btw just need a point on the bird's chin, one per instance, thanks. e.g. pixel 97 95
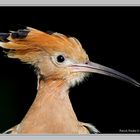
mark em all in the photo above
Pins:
pixel 77 78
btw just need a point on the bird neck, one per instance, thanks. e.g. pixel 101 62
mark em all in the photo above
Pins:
pixel 51 112
pixel 55 88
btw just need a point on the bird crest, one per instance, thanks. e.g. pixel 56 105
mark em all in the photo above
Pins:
pixel 28 44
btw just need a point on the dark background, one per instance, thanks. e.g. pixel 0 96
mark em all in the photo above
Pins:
pixel 110 35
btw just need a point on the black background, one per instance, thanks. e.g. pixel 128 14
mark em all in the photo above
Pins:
pixel 110 36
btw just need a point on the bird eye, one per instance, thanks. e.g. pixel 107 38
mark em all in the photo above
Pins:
pixel 60 58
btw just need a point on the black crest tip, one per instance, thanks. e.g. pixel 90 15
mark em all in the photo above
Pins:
pixel 4 36
pixel 20 34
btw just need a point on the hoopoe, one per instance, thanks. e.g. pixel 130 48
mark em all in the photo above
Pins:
pixel 61 62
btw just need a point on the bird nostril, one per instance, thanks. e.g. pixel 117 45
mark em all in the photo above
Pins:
pixel 86 62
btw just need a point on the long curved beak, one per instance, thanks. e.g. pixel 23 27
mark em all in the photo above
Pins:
pixel 97 68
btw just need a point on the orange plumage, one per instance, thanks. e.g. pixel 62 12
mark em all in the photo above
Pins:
pixel 51 111
pixel 37 42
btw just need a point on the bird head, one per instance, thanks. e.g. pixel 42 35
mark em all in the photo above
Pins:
pixel 55 55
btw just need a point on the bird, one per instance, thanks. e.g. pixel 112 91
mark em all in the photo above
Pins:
pixel 61 63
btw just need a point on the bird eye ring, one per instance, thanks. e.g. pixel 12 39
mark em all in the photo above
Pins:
pixel 60 58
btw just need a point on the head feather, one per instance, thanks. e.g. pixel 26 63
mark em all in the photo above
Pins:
pixel 29 44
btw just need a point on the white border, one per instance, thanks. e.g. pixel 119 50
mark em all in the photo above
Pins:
pixel 70 137
pixel 69 2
